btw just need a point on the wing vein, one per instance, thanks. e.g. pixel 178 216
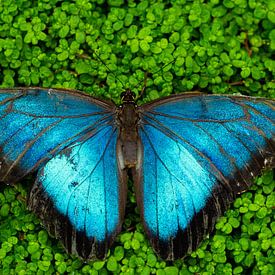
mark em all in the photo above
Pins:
pixel 103 153
pixel 86 131
pixel 171 134
pixel 161 161
pixel 189 119
pixel 29 144
pixel 247 107
pixel 64 117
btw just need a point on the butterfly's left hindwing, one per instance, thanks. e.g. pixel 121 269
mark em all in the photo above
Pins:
pixel 80 187
pixel 79 193
pixel 199 151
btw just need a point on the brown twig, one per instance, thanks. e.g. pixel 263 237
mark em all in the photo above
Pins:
pixel 236 83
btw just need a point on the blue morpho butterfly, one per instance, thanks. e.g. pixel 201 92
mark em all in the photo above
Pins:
pixel 189 156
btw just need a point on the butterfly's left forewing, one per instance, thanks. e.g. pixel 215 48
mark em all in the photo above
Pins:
pixel 36 123
pixel 199 151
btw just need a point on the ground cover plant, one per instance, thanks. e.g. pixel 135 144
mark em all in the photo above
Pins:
pixel 217 47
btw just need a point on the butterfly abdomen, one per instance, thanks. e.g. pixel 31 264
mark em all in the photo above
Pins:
pixel 128 139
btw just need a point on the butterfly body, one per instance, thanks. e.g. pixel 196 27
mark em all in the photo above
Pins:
pixel 128 139
pixel 189 156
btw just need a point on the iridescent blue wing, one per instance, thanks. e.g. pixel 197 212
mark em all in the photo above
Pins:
pixel 70 139
pixel 78 195
pixel 199 152
pixel 36 123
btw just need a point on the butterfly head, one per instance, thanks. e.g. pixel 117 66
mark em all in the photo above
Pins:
pixel 128 96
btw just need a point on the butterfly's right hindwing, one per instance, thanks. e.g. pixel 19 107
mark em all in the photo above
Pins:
pixel 199 152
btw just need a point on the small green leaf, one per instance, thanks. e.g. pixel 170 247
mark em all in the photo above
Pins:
pixel 163 43
pixel 174 38
pixel 256 73
pixel 259 12
pixel 135 244
pixel 62 268
pixel 33 247
pixel 98 265
pixel 200 253
pixel 259 199
pixel 118 25
pixel 28 37
pixel 245 72
pixel 4 211
pixel 144 32
pixel 144 45
pixel 82 67
pixel 74 21
pixel 219 258
pixel 151 260
pixel 2 253
pixel 219 11
pixel 243 209
pixel 227 229
pixel 63 32
pixel 45 72
pixel 126 237
pixel 238 270
pixel 228 70
pixel 119 253
pixel 112 264
pixel 134 44
pixel 253 207
pixel 43 237
pixel 266 244
pixel 139 236
pixel 234 222
pixel 128 19
pixel 59 257
pixel 271 16
pixel 44 265
pixel 13 240
pixel 244 243
pixel 132 31
pixel 262 213
pixel 249 259
pixel 189 62
pixel 171 270
pixel 155 48
pixel 80 37
pixel 239 256
pixel 63 56
pixel 270 201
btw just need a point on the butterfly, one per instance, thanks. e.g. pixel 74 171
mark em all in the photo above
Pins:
pixel 189 155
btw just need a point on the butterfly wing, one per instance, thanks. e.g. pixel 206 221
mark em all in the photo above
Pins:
pixel 78 196
pixel 37 123
pixel 70 139
pixel 199 151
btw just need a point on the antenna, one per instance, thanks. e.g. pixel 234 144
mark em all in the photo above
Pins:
pixel 109 69
pixel 144 80
pixel 156 71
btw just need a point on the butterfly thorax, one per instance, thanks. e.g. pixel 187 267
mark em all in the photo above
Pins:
pixel 128 139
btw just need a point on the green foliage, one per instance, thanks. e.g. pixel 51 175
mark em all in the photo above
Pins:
pixel 217 46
